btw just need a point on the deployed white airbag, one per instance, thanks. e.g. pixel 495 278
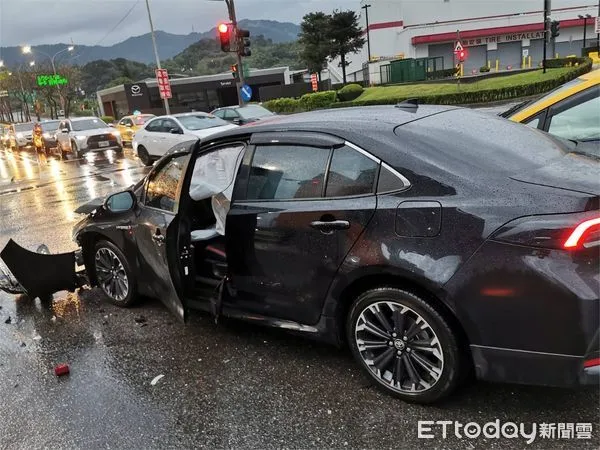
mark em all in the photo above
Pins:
pixel 214 176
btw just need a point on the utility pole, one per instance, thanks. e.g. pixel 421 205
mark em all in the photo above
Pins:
pixel 366 8
pixel 598 35
pixel 547 9
pixel 241 79
pixel 166 100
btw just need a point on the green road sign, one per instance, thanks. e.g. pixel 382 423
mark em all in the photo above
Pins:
pixel 51 80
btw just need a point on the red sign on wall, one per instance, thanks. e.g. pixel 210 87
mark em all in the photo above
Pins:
pixel 164 86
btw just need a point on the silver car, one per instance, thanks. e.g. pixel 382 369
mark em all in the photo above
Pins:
pixel 80 135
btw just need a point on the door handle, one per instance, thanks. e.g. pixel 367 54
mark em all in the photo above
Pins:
pixel 329 227
pixel 158 238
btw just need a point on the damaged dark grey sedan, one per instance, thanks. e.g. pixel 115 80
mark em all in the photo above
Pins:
pixel 435 241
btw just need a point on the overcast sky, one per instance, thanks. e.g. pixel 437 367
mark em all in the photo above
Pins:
pixel 90 21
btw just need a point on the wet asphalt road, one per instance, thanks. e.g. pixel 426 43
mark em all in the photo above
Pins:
pixel 231 385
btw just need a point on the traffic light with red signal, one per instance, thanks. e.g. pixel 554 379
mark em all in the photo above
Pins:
pixel 226 36
pixel 462 55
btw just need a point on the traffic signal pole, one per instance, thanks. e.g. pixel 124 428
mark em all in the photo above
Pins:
pixel 546 32
pixel 241 80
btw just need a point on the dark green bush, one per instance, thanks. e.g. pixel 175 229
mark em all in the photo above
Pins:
pixel 350 92
pixel 484 69
pixel 108 119
pixel 445 73
pixel 565 62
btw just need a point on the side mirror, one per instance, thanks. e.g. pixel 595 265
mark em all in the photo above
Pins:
pixel 237 121
pixel 64 130
pixel 112 125
pixel 120 202
pixel 176 131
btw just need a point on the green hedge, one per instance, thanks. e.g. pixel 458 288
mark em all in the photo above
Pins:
pixel 483 96
pixel 565 62
pixel 307 102
pixel 108 119
pixel 350 92
pixel 445 73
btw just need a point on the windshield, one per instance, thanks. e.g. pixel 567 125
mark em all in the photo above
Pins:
pixel 50 126
pixel 88 124
pixel 201 122
pixel 20 127
pixel 254 112
pixel 528 103
pixel 141 120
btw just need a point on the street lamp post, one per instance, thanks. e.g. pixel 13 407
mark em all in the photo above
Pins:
pixel 166 100
pixel 366 8
pixel 26 49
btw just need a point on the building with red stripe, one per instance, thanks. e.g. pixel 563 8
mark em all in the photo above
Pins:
pixel 503 33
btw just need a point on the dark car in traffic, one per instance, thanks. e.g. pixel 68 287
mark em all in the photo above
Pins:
pixel 434 241
pixel 241 115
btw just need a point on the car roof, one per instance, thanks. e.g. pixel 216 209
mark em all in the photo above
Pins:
pixel 76 119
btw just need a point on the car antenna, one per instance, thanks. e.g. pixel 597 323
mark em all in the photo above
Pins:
pixel 410 104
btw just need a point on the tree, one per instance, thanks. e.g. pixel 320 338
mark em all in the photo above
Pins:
pixel 315 41
pixel 344 36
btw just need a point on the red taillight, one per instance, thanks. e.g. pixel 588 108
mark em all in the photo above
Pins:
pixel 591 363
pixel 582 232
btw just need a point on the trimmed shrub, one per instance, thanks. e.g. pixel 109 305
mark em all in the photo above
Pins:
pixel 108 119
pixel 283 105
pixel 317 100
pixel 565 62
pixel 445 73
pixel 484 69
pixel 350 92
pixel 483 96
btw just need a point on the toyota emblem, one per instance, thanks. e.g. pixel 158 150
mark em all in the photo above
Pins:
pixel 135 89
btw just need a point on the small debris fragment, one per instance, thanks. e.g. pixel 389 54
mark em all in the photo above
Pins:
pixel 16 385
pixel 156 379
pixel 23 344
pixel 329 411
pixel 37 337
pixel 106 317
pixel 53 319
pixel 144 325
pixel 9 320
pixel 61 369
pixel 140 319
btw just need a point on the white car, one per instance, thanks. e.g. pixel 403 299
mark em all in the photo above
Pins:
pixel 162 133
pixel 80 135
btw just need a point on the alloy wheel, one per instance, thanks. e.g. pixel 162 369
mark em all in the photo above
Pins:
pixel 111 274
pixel 399 347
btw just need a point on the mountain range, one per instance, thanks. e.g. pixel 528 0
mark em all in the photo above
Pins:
pixel 139 48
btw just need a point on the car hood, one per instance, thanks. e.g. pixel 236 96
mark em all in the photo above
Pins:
pixel 90 206
pixel 210 131
pixel 95 131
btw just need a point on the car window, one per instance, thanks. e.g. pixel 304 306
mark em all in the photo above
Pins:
pixel 283 172
pixel 141 120
pixel 201 122
pixel 390 180
pixel 535 121
pixel 48 127
pixel 350 173
pixel 230 114
pixel 154 125
pixel 254 112
pixel 220 113
pixel 163 185
pixel 580 123
pixel 23 127
pixel 126 122
pixel 168 125
pixel 88 124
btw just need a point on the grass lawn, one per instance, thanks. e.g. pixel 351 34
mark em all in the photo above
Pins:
pixel 382 92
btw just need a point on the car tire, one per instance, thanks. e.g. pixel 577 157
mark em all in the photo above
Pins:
pixel 114 274
pixel 77 154
pixel 144 155
pixel 404 345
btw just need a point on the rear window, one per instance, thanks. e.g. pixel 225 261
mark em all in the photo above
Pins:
pixel 471 143
pixel 141 120
pixel 88 124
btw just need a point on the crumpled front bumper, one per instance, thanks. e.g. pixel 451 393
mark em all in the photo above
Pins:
pixel 39 274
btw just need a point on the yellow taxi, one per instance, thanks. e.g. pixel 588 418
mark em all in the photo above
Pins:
pixel 128 125
pixel 571 111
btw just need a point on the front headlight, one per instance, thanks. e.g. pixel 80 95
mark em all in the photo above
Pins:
pixel 81 138
pixel 116 133
pixel 47 135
